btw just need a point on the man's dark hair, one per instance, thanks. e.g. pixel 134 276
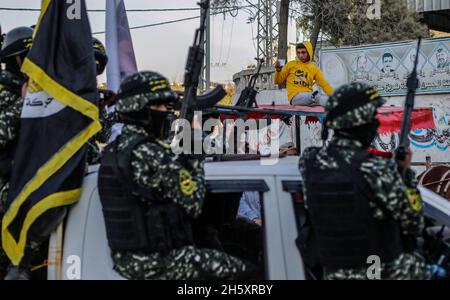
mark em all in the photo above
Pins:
pixel 300 46
pixel 387 54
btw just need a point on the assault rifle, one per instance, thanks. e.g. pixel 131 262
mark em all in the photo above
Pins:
pixel 412 85
pixel 191 102
pixel 244 111
pixel 194 63
pixel 248 95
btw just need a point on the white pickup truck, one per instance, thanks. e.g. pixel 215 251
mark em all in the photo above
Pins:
pixel 79 249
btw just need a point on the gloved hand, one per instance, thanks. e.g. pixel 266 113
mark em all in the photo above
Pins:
pixel 190 161
pixel 107 98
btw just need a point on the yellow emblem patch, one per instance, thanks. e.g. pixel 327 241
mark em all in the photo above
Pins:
pixel 373 94
pixel 28 43
pixel 414 199
pixel 187 185
pixel 158 85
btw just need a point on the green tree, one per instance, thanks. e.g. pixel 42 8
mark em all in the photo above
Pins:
pixel 345 22
pixel 341 22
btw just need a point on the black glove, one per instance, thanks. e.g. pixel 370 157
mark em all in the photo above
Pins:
pixel 190 161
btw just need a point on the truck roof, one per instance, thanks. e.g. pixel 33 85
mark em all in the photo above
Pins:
pixel 285 166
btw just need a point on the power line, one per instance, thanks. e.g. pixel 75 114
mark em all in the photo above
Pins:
pixel 253 38
pixel 173 21
pixel 155 24
pixel 128 10
pixel 221 40
pixel 231 39
pixel 103 10
pixel 236 8
pixel 213 33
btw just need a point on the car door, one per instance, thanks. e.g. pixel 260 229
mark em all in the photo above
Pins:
pixel 288 189
pixel 274 260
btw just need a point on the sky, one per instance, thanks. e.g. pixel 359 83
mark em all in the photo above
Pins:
pixel 164 48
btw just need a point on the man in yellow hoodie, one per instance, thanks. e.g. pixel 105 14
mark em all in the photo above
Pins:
pixel 300 76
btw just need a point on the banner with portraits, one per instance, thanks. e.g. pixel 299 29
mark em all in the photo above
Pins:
pixel 386 66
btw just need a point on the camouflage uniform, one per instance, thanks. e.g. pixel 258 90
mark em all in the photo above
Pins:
pixel 155 167
pixel 10 109
pixel 106 119
pixel 395 193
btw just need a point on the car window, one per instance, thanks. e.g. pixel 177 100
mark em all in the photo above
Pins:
pixel 232 220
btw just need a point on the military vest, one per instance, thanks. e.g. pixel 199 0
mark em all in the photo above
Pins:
pixel 154 225
pixel 342 221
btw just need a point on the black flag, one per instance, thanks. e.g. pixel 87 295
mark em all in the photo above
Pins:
pixel 60 114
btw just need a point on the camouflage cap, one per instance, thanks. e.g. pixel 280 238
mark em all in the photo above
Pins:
pixel 100 55
pixel 142 88
pixel 352 105
pixel 98 47
pixel 16 41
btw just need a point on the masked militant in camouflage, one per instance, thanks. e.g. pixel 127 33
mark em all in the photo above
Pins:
pixel 377 208
pixel 150 196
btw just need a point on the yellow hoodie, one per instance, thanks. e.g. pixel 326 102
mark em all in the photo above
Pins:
pixel 300 77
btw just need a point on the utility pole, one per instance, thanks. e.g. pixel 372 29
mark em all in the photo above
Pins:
pixel 205 81
pixel 208 50
pixel 267 37
pixel 283 22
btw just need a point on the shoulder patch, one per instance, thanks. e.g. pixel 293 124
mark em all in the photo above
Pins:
pixel 187 185
pixel 414 199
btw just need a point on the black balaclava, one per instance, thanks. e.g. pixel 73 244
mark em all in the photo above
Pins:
pixel 159 123
pixel 156 123
pixel 12 66
pixel 100 67
pixel 365 133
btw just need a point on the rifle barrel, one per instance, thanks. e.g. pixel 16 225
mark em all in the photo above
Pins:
pixel 237 109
